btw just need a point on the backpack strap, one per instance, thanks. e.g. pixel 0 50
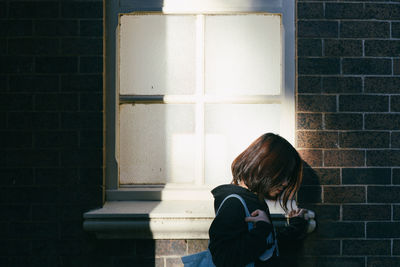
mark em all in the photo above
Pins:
pixel 249 224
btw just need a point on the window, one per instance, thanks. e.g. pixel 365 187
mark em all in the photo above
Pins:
pixel 188 86
pixel 194 91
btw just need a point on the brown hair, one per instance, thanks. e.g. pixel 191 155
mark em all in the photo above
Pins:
pixel 265 164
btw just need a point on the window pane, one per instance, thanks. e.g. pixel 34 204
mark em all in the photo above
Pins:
pixel 229 130
pixel 157 143
pixel 243 54
pixel 157 54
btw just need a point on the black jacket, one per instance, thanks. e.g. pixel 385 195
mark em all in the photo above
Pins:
pixel 231 244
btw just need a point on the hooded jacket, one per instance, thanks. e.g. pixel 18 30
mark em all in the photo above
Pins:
pixel 231 244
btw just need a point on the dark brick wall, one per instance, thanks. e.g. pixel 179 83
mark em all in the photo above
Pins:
pixel 347 123
pixel 51 106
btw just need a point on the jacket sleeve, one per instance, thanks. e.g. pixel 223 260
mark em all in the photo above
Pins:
pixel 231 244
pixel 294 231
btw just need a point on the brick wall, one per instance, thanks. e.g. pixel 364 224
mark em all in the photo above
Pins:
pixel 347 130
pixel 51 136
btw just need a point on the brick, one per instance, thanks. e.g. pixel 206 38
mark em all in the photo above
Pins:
pixel 367 66
pixel 91 139
pixel 92 28
pixel 310 10
pixel 312 157
pixel 15 139
pixel 307 121
pixel 321 29
pixel 56 102
pixel 33 9
pixel 91 176
pixel 16 212
pixel 34 230
pixel 31 83
pixel 383 157
pixel 366 247
pixel 320 176
pixel 383 194
pixel 382 11
pixel 316 103
pixel 344 158
pixel 82 9
pixel 396 176
pixel 195 246
pixel 41 248
pixel 396 66
pixel 341 85
pixel 309 194
pixel 16 64
pixel 82 83
pixel 395 103
pixel 396 29
pixel 343 121
pixel 32 158
pixel 3 46
pixel 383 85
pixel 14 247
pixel 73 195
pixel 363 139
pixel 45 212
pixel 3 83
pixel 3 10
pixel 82 46
pixel 317 139
pixel 56 176
pixel 364 29
pixel 340 229
pixel 344 11
pixel 396 247
pixel 33 120
pixel 29 46
pixel 91 102
pixel 367 212
pixel 309 84
pixel 15 102
pixel 56 28
pixel 82 120
pixel 333 262
pixel 309 47
pixel 368 103
pixel 396 212
pixel 319 65
pixel 170 247
pixel 321 247
pixel 325 212
pixel 56 65
pixel 81 158
pixel 12 28
pixel 16 176
pixel 341 48
pixel 382 121
pixel 56 139
pixel 91 65
pixel 344 194
pixel 382 48
pixel 366 176
pixel 383 230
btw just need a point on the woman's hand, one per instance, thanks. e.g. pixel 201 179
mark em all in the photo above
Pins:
pixel 258 215
pixel 296 213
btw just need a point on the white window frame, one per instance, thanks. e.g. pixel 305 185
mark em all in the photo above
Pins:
pixel 159 211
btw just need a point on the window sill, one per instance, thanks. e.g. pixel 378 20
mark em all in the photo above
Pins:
pixel 167 219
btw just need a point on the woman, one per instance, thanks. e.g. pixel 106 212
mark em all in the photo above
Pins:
pixel 270 168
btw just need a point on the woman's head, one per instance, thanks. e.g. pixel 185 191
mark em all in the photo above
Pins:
pixel 269 167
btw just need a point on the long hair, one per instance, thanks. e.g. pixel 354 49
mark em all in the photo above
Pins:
pixel 266 164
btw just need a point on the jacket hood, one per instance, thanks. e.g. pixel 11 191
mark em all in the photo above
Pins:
pixel 222 191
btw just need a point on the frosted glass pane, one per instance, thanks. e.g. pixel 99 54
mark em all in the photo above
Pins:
pixel 229 130
pixel 156 144
pixel 157 54
pixel 243 54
